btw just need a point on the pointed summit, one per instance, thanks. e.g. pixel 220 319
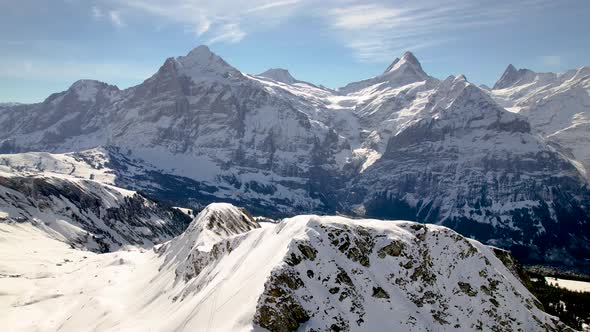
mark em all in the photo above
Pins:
pixel 201 64
pixel 201 50
pixel 511 76
pixel 401 71
pixel 408 59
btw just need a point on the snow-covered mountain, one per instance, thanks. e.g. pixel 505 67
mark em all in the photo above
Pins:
pixel 556 105
pixel 398 145
pixel 229 273
pixel 85 213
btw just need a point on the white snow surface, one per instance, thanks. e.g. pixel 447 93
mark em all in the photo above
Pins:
pixel 573 285
pixel 47 286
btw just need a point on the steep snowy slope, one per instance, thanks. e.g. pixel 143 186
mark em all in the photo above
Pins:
pixel 87 214
pixel 556 105
pixel 307 272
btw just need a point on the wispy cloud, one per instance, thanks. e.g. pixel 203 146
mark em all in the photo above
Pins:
pixel 230 33
pixel 220 21
pixel 271 5
pixel 114 16
pixel 377 30
pixel 96 13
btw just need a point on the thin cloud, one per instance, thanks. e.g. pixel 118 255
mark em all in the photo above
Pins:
pixel 115 17
pixel 272 5
pixel 96 13
pixel 219 21
pixel 230 33
pixel 376 31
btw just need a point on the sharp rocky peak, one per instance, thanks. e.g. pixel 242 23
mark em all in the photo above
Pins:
pixel 511 76
pixel 215 222
pixel 401 71
pixel 408 59
pixel 404 70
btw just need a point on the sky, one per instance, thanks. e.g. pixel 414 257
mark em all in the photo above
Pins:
pixel 46 45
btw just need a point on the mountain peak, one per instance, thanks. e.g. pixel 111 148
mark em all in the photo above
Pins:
pixel 401 71
pixel 87 90
pixel 79 84
pixel 279 75
pixel 200 51
pixel 201 64
pixel 511 75
pixel 407 59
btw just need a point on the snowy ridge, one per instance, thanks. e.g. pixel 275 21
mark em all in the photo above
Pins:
pixel 87 214
pixel 217 222
pixel 91 165
pixel 306 272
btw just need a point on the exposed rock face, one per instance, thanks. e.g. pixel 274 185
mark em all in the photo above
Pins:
pixel 513 76
pixel 207 238
pixel 87 214
pixel 399 145
pixel 338 274
pixel 478 169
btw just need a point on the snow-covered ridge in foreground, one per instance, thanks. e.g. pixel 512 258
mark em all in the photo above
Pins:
pixel 307 273
pixel 87 214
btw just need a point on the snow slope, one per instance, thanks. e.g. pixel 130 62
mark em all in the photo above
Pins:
pixel 306 272
pixel 86 214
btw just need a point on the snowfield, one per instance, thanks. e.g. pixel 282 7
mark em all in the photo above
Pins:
pixel 573 285
pixel 226 273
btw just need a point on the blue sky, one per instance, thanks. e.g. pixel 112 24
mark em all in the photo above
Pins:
pixel 46 45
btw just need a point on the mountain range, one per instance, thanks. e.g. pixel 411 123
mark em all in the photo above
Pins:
pixel 507 165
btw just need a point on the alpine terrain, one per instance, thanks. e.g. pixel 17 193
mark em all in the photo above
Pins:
pixel 506 166
pixel 227 272
pixel 132 210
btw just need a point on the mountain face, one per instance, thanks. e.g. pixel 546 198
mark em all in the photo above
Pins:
pixel 556 105
pixel 401 145
pixel 227 272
